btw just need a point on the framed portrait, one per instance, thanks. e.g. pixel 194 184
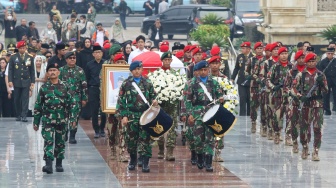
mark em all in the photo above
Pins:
pixel 113 76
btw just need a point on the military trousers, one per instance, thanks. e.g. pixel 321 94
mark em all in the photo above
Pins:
pixel 115 131
pixel 190 135
pixel 278 113
pixel 311 115
pixel 21 100
pixel 269 110
pixel 263 110
pixel 293 120
pixel 254 103
pixel 137 139
pixel 53 134
pixel 204 138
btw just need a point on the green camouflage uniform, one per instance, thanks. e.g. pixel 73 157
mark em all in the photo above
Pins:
pixel 196 105
pixel 55 106
pixel 75 79
pixel 261 84
pixel 312 111
pixel 131 105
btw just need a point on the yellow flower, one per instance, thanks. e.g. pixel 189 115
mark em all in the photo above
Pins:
pixel 226 105
pixel 234 92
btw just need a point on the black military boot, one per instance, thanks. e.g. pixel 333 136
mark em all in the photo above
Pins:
pixel 208 163
pixel 66 136
pixel 145 164
pixel 132 163
pixel 59 167
pixel 200 161
pixel 140 161
pixel 193 157
pixel 48 167
pixel 72 139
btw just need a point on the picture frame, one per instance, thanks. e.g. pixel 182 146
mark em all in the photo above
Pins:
pixel 112 78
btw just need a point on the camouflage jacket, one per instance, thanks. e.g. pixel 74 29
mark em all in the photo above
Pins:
pixel 265 66
pixel 196 101
pixel 288 83
pixel 304 81
pixel 54 104
pixel 252 69
pixel 276 76
pixel 129 100
pixel 76 81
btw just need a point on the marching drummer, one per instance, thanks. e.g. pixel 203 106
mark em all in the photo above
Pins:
pixel 134 91
pixel 202 91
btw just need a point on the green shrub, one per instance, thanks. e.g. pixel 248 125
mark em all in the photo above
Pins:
pixel 222 31
pixel 208 40
pixel 212 19
pixel 224 3
pixel 328 33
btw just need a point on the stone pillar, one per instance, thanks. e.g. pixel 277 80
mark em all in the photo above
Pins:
pixel 292 21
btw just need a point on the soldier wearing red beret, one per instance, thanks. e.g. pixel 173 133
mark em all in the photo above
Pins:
pixel 312 108
pixel 197 55
pixel 244 91
pixel 224 68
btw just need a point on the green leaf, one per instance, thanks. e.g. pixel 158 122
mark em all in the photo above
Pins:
pixel 328 33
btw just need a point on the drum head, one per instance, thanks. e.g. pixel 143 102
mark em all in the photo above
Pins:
pixel 210 113
pixel 149 115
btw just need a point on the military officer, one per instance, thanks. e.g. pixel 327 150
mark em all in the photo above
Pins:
pixel 21 76
pixel 54 105
pixel 224 66
pixel 130 107
pixel 197 57
pixel 293 115
pixel 74 76
pixel 197 104
pixel 312 111
pixel 244 93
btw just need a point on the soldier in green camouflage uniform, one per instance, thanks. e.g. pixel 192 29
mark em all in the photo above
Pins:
pixel 130 107
pixel 171 109
pixel 55 106
pixel 293 113
pixel 312 111
pixel 75 78
pixel 196 105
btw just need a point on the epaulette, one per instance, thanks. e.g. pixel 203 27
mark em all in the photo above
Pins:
pixel 225 58
pixel 30 55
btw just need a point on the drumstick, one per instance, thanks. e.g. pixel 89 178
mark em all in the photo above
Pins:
pixel 213 102
pixel 152 101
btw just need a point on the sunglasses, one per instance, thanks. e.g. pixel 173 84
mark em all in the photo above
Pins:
pixel 147 46
pixel 72 58
pixel 48 56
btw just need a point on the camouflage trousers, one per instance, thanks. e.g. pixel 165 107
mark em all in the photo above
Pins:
pixel 137 139
pixel 190 136
pixel 219 143
pixel 51 134
pixel 254 102
pixel 278 113
pixel 315 116
pixel 293 120
pixel 269 110
pixel 116 132
pixel 170 109
pixel 77 113
pixel 263 110
pixel 204 138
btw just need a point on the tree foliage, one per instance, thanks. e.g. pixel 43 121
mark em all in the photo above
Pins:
pixel 328 33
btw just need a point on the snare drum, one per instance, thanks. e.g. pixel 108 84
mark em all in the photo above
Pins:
pixel 219 119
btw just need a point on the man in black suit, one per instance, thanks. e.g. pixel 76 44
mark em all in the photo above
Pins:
pixel 244 91
pixel 21 76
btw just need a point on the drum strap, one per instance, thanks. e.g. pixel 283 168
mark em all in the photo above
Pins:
pixel 206 91
pixel 140 93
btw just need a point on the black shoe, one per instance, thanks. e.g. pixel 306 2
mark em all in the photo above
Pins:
pixel 72 139
pixel 102 134
pixel 193 157
pixel 327 113
pixel 208 163
pixel 48 167
pixel 66 136
pixel 145 164
pixel 200 161
pixel 59 167
pixel 96 135
pixel 183 140
pixel 140 161
pixel 18 119
pixel 132 163
pixel 24 119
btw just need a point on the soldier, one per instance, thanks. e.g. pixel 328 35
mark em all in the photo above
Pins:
pixel 171 109
pixel 197 57
pixel 312 111
pixel 293 117
pixel 130 107
pixel 74 76
pixel 254 86
pixel 224 64
pixel 330 73
pixel 275 82
pixel 187 55
pixel 54 105
pixel 264 68
pixel 21 76
pixel 244 93
pixel 197 104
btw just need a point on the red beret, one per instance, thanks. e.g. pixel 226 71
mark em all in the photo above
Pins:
pixel 106 41
pixel 274 45
pixel 258 44
pixel 164 48
pixel 186 48
pixel 134 42
pixel 204 55
pixel 267 47
pixel 107 46
pixel 298 54
pixel 214 59
pixel 119 57
pixel 246 44
pixel 165 43
pixel 179 54
pixel 310 56
pixel 282 49
pixel 192 47
pixel 20 44
pixel 195 51
pixel 215 51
